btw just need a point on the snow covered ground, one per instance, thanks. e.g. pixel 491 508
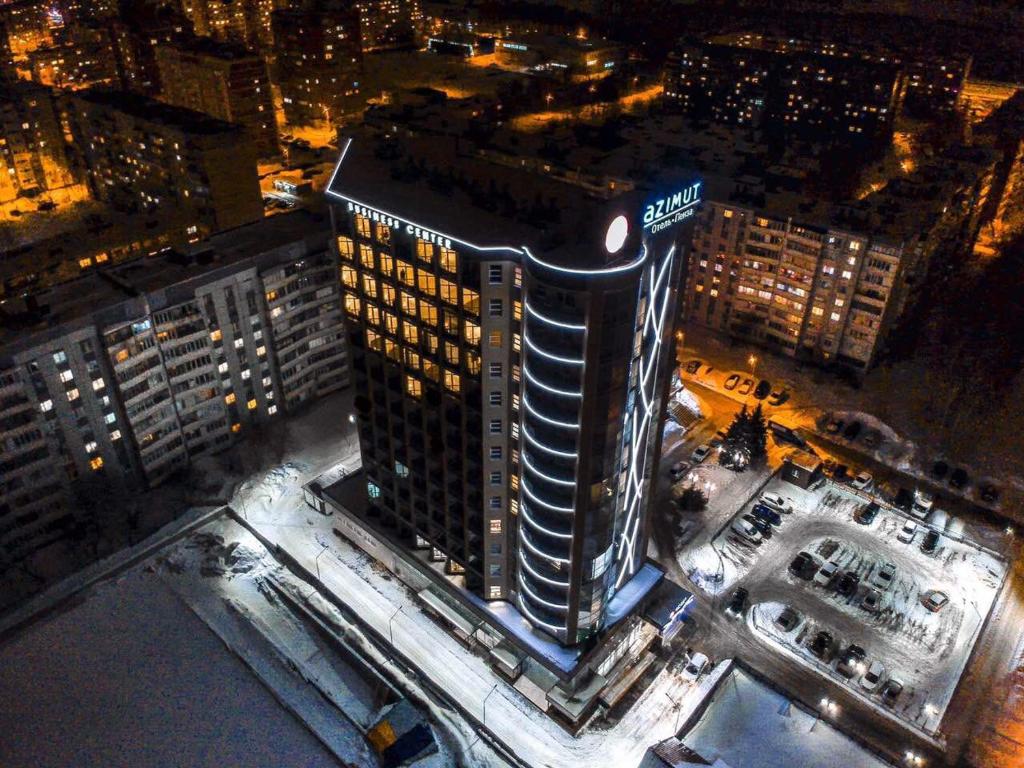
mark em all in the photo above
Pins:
pixel 748 724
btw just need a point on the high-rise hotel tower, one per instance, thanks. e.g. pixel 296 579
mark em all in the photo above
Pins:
pixel 511 341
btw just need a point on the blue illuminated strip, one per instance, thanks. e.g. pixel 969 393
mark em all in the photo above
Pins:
pixel 538 599
pixel 551 321
pixel 540 577
pixel 553 507
pixel 588 272
pixel 549 388
pixel 558 481
pixel 540 552
pixel 542 417
pixel 540 622
pixel 556 358
pixel 546 449
pixel 534 524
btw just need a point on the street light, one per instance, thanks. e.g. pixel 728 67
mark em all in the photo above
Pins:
pixel 391 631
pixel 485 702
pixel 752 362
pixel 316 562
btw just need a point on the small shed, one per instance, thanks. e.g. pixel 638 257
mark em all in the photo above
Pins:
pixel 802 469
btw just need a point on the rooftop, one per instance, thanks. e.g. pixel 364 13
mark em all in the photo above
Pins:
pixel 153 111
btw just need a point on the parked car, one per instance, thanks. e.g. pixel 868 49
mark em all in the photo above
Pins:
pixel 777 501
pixel 841 473
pixel 903 499
pixel 678 470
pixel 732 381
pixel 891 691
pixel 825 574
pixel 823 645
pixel 693 366
pixel 907 532
pixel 738 603
pixel 940 469
pixel 872 601
pixel 852 430
pixel 787 619
pixel 923 503
pixel 764 387
pixel 746 531
pixel 930 543
pixel 884 576
pixel 851 661
pixel 778 397
pixel 763 526
pixel 989 493
pixel 835 426
pixel 745 387
pixel 935 600
pixel 695 666
pixel 700 453
pixel 866 515
pixel 863 481
pixel 804 566
pixel 959 479
pixel 848 583
pixel 767 513
pixel 873 677
pixel 46 205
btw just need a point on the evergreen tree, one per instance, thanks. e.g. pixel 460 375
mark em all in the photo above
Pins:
pixel 757 436
pixel 735 449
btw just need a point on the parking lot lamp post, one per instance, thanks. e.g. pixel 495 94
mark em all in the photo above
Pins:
pixel 752 362
pixel 316 561
pixel 391 631
pixel 485 702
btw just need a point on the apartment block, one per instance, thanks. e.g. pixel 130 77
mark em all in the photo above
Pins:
pixel 124 378
pixel 222 80
pixel 318 62
pixel 32 152
pixel 81 56
pixel 388 23
pixel 143 155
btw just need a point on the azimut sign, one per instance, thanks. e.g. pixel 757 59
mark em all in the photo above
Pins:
pixel 662 213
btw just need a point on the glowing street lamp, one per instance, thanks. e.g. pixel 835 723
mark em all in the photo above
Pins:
pixel 752 362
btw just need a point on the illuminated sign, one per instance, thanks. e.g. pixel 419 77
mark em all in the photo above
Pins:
pixel 395 223
pixel 513 46
pixel 667 211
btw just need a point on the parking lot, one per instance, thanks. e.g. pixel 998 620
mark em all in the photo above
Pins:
pixel 925 650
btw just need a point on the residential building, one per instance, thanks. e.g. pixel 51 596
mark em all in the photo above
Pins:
pixel 82 56
pixel 222 80
pixel 126 377
pixel 142 155
pixel 318 62
pixel 388 23
pixel 33 157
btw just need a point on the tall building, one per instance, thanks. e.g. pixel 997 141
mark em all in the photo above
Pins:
pixel 388 23
pixel 222 80
pixel 318 62
pixel 243 21
pixel 32 151
pixel 142 155
pixel 82 56
pixel 124 378
pixel 512 363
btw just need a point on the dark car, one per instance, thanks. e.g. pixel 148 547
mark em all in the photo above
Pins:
pixel 989 494
pixel 767 513
pixel 787 619
pixel 764 387
pixel 778 397
pixel 940 469
pixel 692 366
pixel 891 691
pixel 852 430
pixel 904 499
pixel 823 645
pixel 930 543
pixel 959 479
pixel 46 205
pixel 841 473
pixel 738 603
pixel 762 525
pixel 851 661
pixel 804 566
pixel 848 583
pixel 867 514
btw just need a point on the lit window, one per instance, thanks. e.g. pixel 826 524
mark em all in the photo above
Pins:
pixel 230 398
pixel 406 273
pixel 96 463
pixel 451 381
pixel 239 343
pixel 413 386
pixel 401 470
pixel 246 374
pixel 98 384
pixel 472 333
pixel 494 592
pixel 817 311
pixel 362 225
pixel 349 277
pixel 517 310
pixel 408 302
pixel 839 302
pixel 428 312
pixel 72 395
pixel 251 405
pixel 222 368
pixel 345 248
pixel 366 256
pixel 370 286
pixel 834 316
pixel 236 428
pixel 847 274
pixel 216 335
pixel 115 435
pixel 471 301
pixel 449 262
pixel 271 295
pixel 109 418
pixel 426 282
pixel 272 410
pixel 449 292
pixel 59 357
pixel 372 490
pixel 66 376
pixel 410 332
pixel 261 351
pixel 494 338
pixel 91 446
pixel 424 250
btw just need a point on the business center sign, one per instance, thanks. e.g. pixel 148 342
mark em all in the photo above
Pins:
pixel 665 212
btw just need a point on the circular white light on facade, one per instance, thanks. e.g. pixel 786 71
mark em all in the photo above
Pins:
pixel 615 237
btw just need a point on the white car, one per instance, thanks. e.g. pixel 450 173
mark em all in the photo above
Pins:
pixel 863 482
pixel 700 453
pixel 884 577
pixel 745 530
pixel 825 574
pixel 695 666
pixel 923 503
pixel 777 502
pixel 872 679
pixel 907 532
